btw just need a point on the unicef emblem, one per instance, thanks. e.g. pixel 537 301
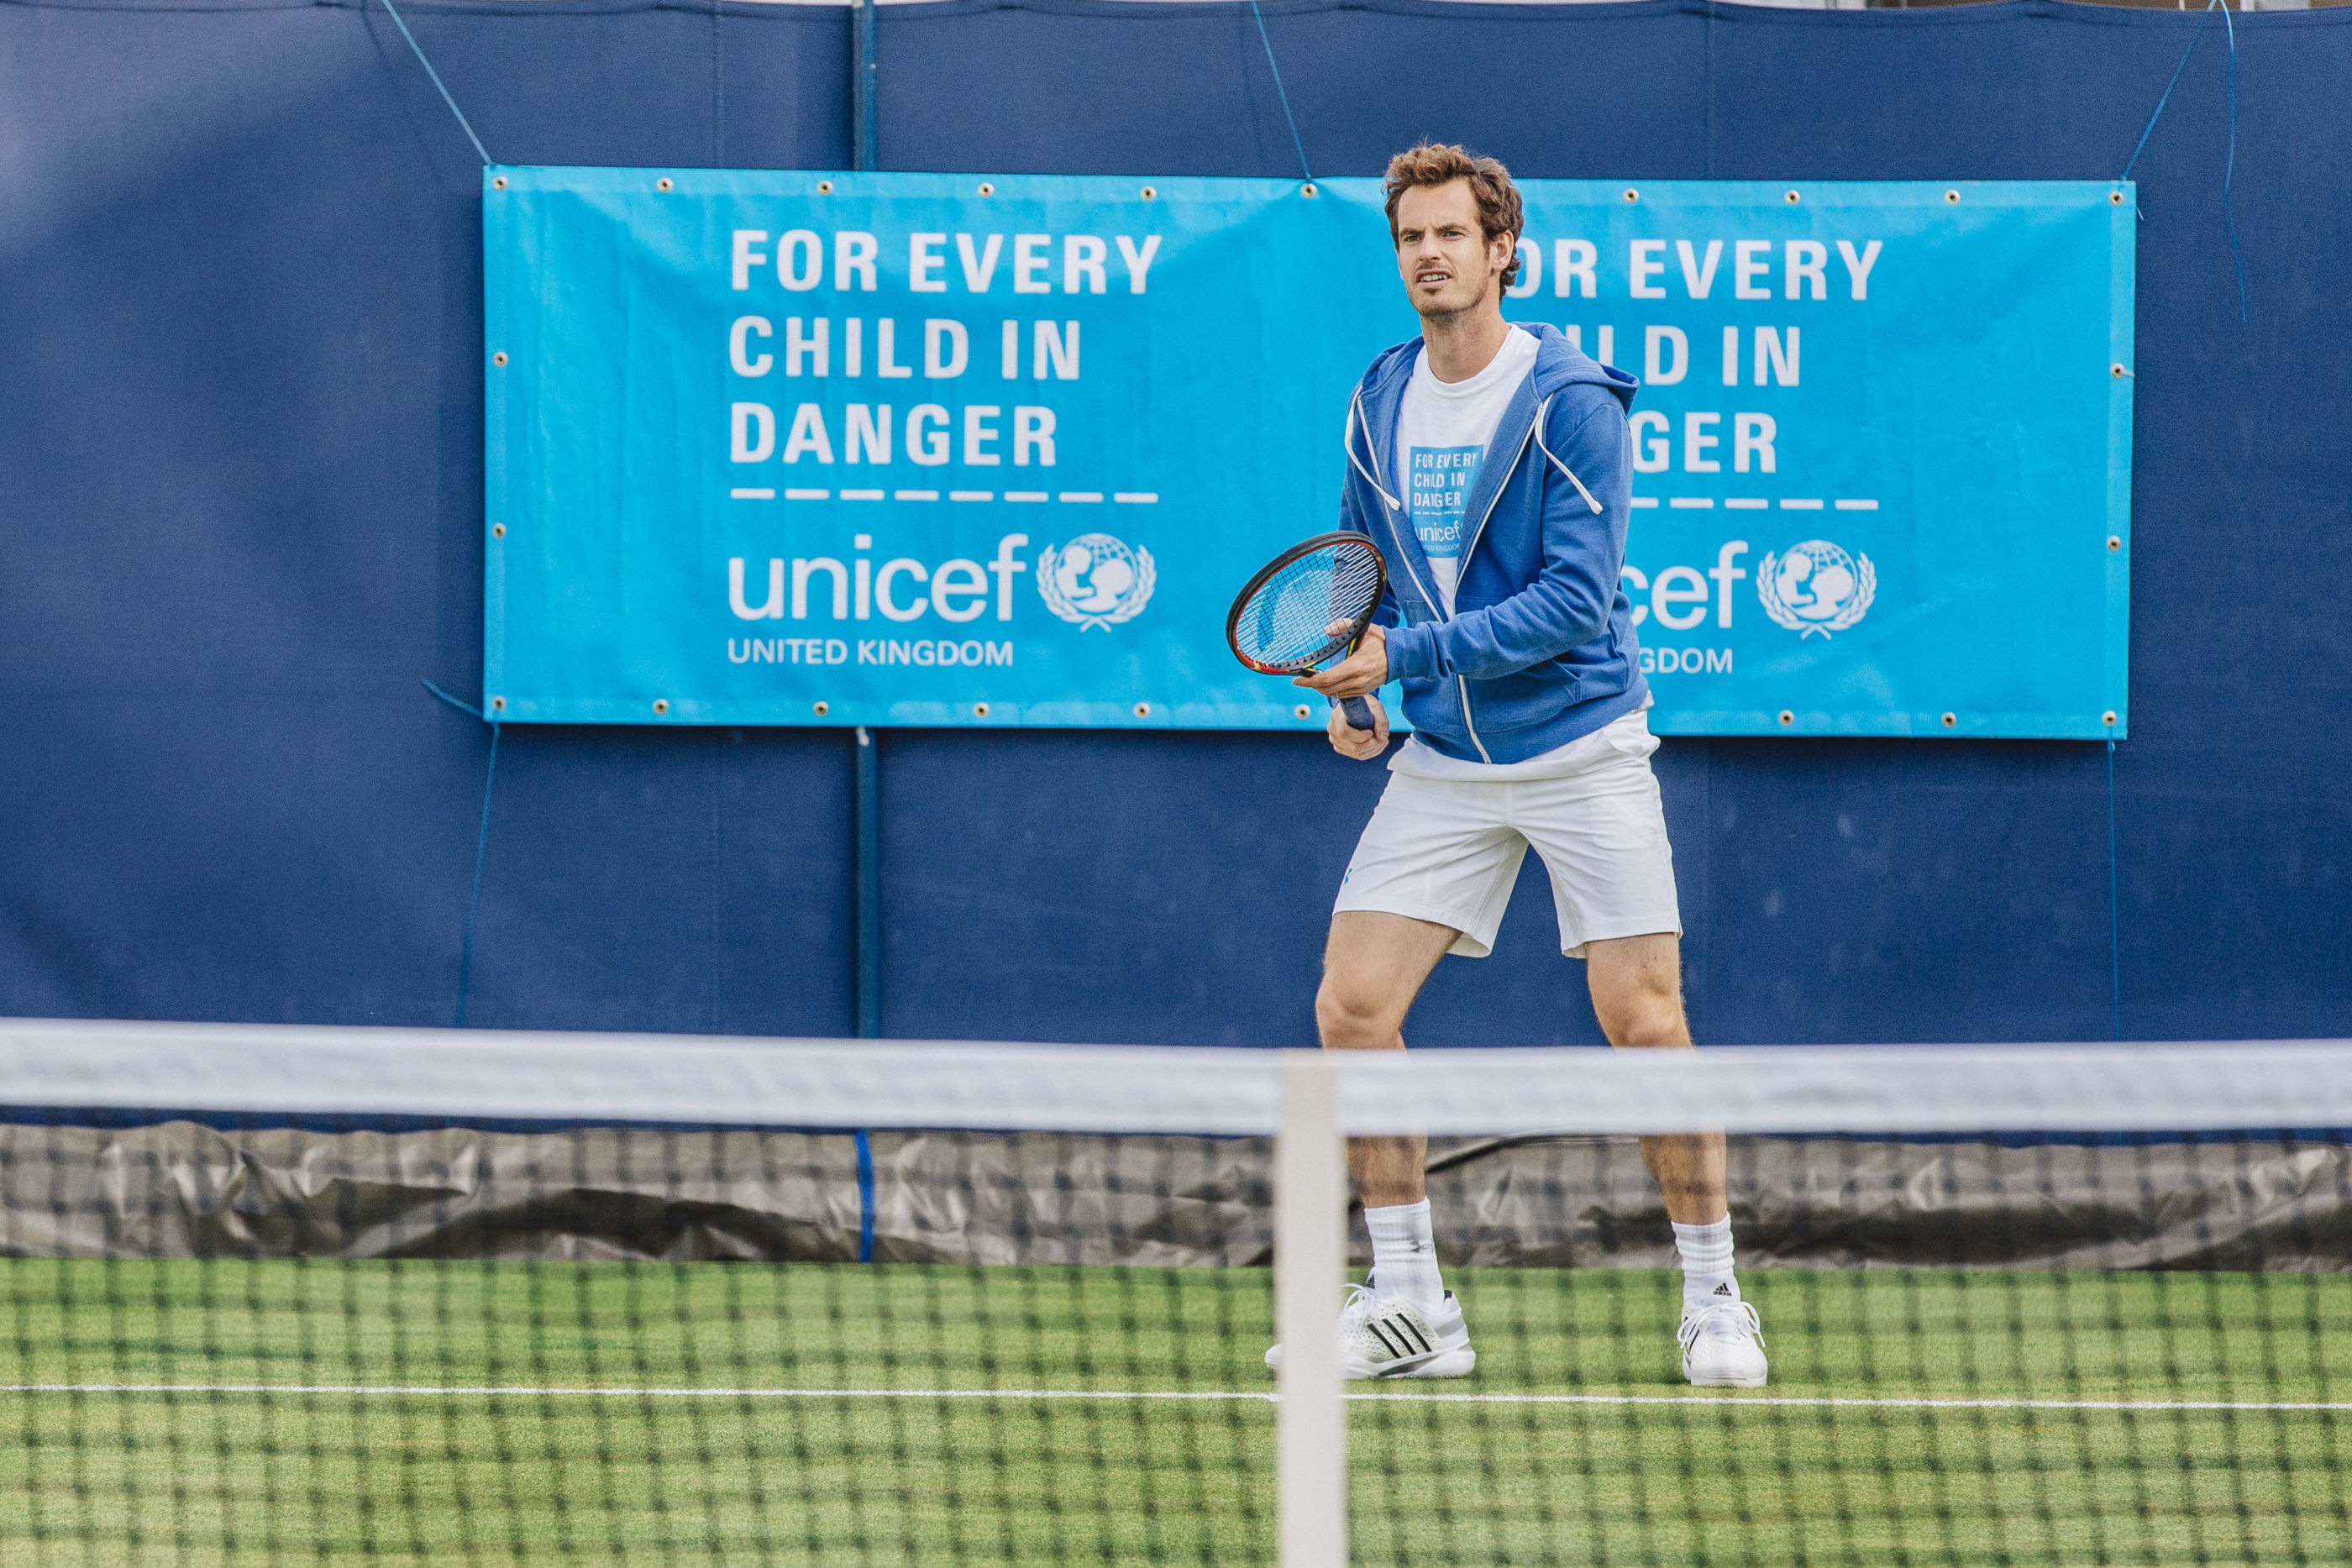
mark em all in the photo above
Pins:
pixel 1095 580
pixel 1815 587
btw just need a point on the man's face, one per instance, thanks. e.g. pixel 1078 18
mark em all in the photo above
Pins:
pixel 1443 257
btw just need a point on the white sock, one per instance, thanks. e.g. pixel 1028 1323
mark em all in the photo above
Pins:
pixel 1404 1255
pixel 1706 1264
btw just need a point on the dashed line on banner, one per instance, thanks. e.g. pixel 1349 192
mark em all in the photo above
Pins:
pixel 1074 497
pixel 1752 503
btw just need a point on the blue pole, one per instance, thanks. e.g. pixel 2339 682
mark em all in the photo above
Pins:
pixel 868 835
pixel 869 887
pixel 865 1197
pixel 861 84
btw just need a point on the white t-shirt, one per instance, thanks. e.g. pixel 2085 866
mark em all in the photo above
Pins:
pixel 1443 431
pixel 1423 761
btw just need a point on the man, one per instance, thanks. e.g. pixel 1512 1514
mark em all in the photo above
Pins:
pixel 1488 462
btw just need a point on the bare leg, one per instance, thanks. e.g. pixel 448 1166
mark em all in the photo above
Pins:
pixel 1372 968
pixel 1637 992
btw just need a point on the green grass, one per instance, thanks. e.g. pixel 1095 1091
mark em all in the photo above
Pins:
pixel 203 1476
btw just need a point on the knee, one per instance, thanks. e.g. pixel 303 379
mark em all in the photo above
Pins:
pixel 1642 1014
pixel 1349 1019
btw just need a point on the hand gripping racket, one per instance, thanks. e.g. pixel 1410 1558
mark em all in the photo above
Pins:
pixel 1282 621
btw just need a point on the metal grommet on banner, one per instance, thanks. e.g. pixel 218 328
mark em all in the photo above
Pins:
pixel 1788 717
pixel 2114 541
pixel 1307 188
pixel 821 709
pixel 498 182
pixel 1953 196
pixel 1951 719
pixel 498 530
pixel 2109 718
pixel 1791 198
pixel 661 704
pixel 980 710
pixel 662 183
pixel 500 358
pixel 1632 194
pixel 1150 192
pixel 986 189
pixel 2114 198
pixel 824 187
pixel 2118 371
pixel 1301 711
pixel 1143 710
pixel 498 704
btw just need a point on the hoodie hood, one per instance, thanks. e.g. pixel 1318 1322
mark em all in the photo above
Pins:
pixel 1559 363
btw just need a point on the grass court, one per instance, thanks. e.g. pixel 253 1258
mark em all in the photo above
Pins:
pixel 203 1412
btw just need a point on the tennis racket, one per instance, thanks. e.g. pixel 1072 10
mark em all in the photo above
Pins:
pixel 1282 620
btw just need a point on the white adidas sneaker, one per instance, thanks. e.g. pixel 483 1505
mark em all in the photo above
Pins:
pixel 1382 1336
pixel 1723 1346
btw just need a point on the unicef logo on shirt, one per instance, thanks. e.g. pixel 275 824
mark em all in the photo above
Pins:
pixel 1095 580
pixel 1815 587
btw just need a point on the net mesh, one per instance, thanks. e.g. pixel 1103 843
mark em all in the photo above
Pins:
pixel 271 1337
pixel 1286 623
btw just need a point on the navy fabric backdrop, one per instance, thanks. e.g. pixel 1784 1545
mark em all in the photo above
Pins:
pixel 240 482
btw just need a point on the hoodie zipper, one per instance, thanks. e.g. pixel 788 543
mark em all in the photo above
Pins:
pixel 1462 683
pixel 1356 413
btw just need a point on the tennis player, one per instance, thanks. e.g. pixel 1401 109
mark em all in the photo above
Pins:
pixel 1490 462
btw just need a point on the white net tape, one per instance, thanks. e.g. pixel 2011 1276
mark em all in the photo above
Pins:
pixel 297 1068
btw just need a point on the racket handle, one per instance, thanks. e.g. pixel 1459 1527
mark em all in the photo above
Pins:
pixel 1359 712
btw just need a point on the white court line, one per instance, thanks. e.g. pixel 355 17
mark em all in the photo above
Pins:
pixel 1710 1401
pixel 549 1393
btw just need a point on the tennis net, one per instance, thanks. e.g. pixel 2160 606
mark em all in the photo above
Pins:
pixel 280 1294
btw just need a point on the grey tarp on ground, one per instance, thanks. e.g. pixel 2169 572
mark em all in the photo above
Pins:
pixel 177 1189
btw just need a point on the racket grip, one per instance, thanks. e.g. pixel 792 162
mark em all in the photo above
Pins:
pixel 1359 712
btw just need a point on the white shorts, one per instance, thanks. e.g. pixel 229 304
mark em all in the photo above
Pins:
pixel 1448 850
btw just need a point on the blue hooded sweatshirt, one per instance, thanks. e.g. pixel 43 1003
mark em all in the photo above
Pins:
pixel 1539 649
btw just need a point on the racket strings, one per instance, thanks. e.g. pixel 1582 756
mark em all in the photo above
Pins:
pixel 1287 622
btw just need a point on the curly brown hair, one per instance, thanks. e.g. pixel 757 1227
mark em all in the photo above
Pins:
pixel 1441 163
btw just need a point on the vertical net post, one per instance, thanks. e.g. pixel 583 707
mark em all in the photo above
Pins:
pixel 1310 1256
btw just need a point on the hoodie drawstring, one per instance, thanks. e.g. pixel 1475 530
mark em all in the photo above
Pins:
pixel 1542 410
pixel 1349 441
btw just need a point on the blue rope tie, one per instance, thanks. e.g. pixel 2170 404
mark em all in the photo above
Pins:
pixel 2114 902
pixel 1280 93
pixel 2230 169
pixel 481 849
pixel 458 702
pixel 452 102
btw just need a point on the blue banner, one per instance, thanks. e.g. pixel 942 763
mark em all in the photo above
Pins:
pixel 918 449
